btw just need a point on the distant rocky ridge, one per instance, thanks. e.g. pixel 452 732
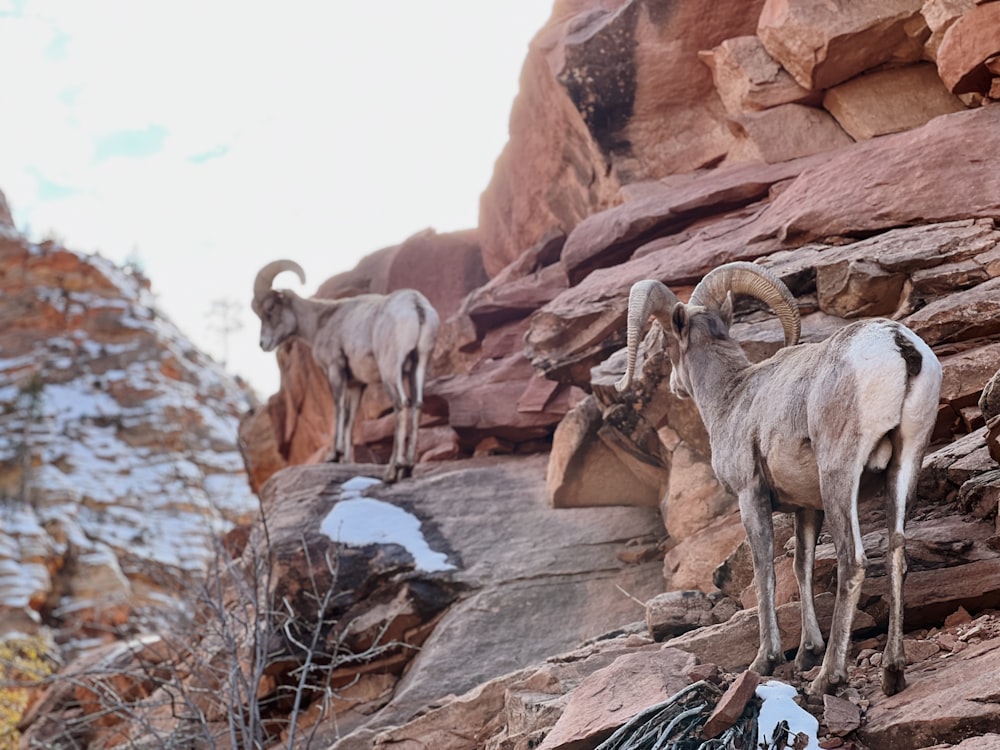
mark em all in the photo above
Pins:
pixel 118 455
pixel 597 564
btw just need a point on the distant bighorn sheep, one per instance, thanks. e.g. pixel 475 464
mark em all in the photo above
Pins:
pixel 357 341
pixel 795 433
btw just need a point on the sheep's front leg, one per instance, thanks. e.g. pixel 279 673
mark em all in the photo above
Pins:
pixel 755 510
pixel 416 381
pixel 346 398
pixel 338 390
pixel 808 522
pixel 351 401
pixel 841 493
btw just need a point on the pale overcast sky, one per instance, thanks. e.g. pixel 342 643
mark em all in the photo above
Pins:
pixel 207 137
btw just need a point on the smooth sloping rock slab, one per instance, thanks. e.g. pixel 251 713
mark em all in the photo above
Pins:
pixel 945 170
pixel 540 581
pixel 962 315
pixel 660 207
pixel 930 595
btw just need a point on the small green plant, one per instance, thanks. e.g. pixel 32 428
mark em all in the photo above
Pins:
pixel 24 663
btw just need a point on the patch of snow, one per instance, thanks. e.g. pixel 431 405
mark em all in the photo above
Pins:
pixel 779 705
pixel 227 492
pixel 357 520
pixel 354 486
pixel 16 363
pixel 19 582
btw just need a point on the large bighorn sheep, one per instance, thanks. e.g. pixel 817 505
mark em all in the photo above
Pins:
pixel 795 433
pixel 357 341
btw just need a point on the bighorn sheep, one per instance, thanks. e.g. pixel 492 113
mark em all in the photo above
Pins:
pixel 795 433
pixel 357 341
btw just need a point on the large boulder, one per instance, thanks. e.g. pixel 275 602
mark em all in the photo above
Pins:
pixel 748 79
pixel 823 44
pixel 890 101
pixel 967 46
pixel 785 132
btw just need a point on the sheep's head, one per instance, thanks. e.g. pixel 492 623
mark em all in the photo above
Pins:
pixel 693 326
pixel 273 306
pixel 708 314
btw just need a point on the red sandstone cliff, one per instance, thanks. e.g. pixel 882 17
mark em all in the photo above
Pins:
pixel 856 153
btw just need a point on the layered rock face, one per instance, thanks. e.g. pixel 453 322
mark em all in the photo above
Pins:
pixel 850 147
pixel 118 458
pixel 661 114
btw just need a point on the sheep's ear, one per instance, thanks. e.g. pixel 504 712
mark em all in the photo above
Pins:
pixel 726 309
pixel 679 320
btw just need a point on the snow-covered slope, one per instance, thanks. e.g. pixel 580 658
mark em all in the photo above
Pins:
pixel 118 443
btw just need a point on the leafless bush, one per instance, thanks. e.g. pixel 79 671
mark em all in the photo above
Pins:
pixel 238 667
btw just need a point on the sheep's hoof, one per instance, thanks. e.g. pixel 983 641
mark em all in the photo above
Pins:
pixel 824 683
pixel 808 657
pixel 764 664
pixel 394 473
pixel 893 680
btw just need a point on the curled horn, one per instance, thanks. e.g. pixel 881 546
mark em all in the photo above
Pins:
pixel 265 276
pixel 647 297
pixel 757 281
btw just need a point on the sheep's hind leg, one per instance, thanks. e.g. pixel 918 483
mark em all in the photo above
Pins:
pixel 808 522
pixel 416 380
pixel 396 469
pixel 401 412
pixel 902 481
pixel 411 442
pixel 841 491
